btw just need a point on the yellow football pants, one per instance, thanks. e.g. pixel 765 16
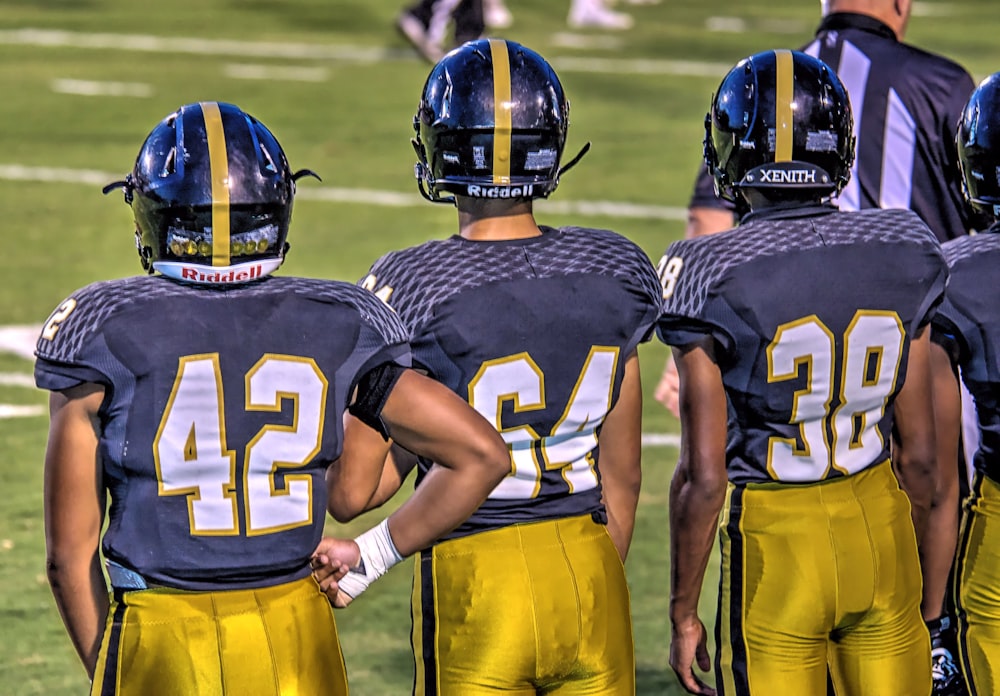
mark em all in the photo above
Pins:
pixel 541 606
pixel 275 641
pixel 821 574
pixel 977 591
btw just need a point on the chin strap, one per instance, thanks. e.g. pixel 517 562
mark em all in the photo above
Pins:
pixel 572 163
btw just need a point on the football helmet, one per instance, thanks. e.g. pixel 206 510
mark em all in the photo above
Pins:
pixel 211 192
pixel 491 123
pixel 780 121
pixel 978 141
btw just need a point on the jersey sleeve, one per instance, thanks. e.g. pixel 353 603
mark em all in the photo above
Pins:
pixel 383 338
pixel 68 352
pixel 644 286
pixel 947 331
pixel 937 274
pixel 691 310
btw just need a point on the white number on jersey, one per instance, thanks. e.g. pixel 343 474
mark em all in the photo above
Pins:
pixel 569 447
pixel 193 459
pixel 873 347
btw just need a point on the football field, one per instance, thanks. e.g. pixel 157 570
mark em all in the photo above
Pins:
pixel 82 83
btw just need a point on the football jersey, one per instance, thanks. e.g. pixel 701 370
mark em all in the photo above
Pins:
pixel 906 104
pixel 534 333
pixel 223 408
pixel 969 317
pixel 812 312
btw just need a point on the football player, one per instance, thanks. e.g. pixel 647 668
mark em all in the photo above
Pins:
pixel 802 341
pixel 204 403
pixel 966 329
pixel 906 158
pixel 538 327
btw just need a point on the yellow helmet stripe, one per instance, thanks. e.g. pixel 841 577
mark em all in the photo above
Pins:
pixel 784 94
pixel 501 111
pixel 219 161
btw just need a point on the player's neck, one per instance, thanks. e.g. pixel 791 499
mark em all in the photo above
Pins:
pixel 487 223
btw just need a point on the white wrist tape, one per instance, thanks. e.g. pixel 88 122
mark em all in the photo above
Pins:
pixel 378 554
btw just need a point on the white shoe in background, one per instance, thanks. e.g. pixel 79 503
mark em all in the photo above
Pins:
pixel 593 14
pixel 410 26
pixel 496 15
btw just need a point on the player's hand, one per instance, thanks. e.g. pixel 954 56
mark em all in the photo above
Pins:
pixel 688 646
pixel 331 561
pixel 668 390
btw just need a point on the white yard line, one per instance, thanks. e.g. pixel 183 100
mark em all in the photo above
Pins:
pixel 19 340
pixel 392 199
pixel 92 88
pixel 12 411
pixel 52 38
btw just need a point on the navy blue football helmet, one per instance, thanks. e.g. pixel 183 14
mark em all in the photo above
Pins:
pixel 780 121
pixel 211 192
pixel 978 141
pixel 491 123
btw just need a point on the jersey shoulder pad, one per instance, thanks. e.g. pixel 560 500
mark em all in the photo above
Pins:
pixel 372 310
pixel 614 254
pixel 690 267
pixel 85 311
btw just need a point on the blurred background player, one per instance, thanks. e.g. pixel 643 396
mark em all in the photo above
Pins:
pixel 791 387
pixel 496 15
pixel 585 14
pixel 206 401
pixel 967 338
pixel 434 27
pixel 538 327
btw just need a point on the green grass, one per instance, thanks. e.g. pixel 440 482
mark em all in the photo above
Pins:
pixel 353 127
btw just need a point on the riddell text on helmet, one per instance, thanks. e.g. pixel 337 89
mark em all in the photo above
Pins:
pixel 233 276
pixel 477 191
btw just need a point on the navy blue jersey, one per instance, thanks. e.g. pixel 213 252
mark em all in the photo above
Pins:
pixel 534 333
pixel 223 409
pixel 906 104
pixel 812 312
pixel 969 320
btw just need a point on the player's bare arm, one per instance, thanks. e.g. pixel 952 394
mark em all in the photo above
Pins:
pixel 620 444
pixel 353 480
pixel 942 527
pixel 697 494
pixel 369 472
pixel 470 459
pixel 914 455
pixel 74 515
